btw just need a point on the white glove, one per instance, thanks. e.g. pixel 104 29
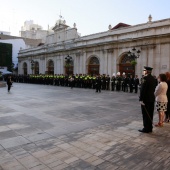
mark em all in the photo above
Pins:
pixel 143 104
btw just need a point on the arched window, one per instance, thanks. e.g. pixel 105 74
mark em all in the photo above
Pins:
pixel 36 67
pixel 93 66
pixel 126 59
pixel 126 66
pixel 25 68
pixel 50 67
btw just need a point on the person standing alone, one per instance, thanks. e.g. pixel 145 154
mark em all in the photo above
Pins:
pixel 98 84
pixel 9 83
pixel 147 100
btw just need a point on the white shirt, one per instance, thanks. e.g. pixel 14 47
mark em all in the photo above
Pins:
pixel 160 92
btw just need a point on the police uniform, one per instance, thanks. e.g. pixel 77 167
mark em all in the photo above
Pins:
pixel 136 82
pixel 147 100
pixel 107 82
pixel 118 83
pixel 131 83
pixel 113 80
pixel 98 84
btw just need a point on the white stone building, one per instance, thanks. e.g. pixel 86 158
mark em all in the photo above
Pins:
pixel 33 31
pixel 104 53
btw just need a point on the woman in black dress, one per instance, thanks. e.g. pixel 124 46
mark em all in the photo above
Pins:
pixel 167 119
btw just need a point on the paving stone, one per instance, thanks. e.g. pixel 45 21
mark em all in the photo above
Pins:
pixel 60 167
pixel 97 162
pixel 4 128
pixel 39 136
pixel 57 128
pixel 13 142
pixel 7 134
pixel 54 164
pixel 40 154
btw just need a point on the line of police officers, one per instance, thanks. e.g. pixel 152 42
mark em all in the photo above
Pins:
pixel 115 83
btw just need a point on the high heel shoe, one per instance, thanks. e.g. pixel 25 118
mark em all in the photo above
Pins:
pixel 159 125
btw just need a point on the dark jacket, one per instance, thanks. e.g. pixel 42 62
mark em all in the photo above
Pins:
pixel 168 91
pixel 9 81
pixel 148 89
pixel 136 81
pixel 98 81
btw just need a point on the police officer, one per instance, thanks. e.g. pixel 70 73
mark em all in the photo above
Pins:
pixel 98 84
pixel 113 82
pixel 118 82
pixel 103 82
pixel 136 83
pixel 125 83
pixel 131 83
pixel 147 100
pixel 107 82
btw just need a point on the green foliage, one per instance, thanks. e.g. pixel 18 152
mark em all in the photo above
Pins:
pixel 67 65
pixel 133 63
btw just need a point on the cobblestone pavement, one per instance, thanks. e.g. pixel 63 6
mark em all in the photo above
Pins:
pixel 54 128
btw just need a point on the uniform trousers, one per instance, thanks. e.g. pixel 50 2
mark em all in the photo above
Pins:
pixel 147 112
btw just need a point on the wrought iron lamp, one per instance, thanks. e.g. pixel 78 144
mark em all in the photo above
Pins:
pixel 134 53
pixel 68 61
pixel 32 65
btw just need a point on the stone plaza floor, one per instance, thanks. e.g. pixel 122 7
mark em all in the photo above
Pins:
pixel 52 128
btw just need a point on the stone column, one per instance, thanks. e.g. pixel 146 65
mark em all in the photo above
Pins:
pixel 55 64
pixel 58 71
pixel 115 61
pixel 105 62
pixel 42 65
pixel 81 63
pixel 62 65
pixel 75 64
pixel 29 66
pixel 102 62
pixel 164 58
pixel 84 63
pixel 110 62
pixel 20 71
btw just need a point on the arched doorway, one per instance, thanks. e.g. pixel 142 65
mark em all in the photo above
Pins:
pixel 25 68
pixel 69 67
pixel 126 66
pixel 50 67
pixel 36 67
pixel 93 66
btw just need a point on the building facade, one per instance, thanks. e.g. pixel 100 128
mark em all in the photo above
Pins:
pixel 33 31
pixel 101 53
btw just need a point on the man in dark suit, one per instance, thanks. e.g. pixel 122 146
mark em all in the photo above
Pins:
pixel 147 100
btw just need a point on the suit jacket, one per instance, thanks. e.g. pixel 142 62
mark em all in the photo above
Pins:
pixel 161 91
pixel 148 89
